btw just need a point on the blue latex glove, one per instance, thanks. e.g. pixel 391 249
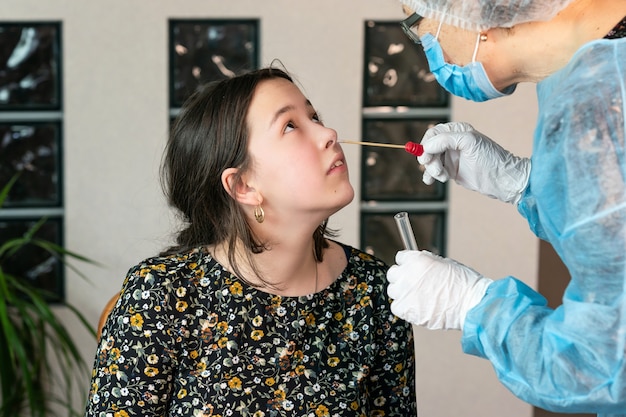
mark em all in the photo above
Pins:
pixel 431 291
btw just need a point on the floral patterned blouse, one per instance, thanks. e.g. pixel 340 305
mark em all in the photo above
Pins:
pixel 187 338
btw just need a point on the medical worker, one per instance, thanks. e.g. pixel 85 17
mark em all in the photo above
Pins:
pixel 572 191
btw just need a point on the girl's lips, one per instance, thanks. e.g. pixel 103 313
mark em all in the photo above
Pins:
pixel 338 164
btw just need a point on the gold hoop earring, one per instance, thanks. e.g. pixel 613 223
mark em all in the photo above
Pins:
pixel 259 214
pixel 483 37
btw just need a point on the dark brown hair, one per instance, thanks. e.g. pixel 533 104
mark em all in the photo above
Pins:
pixel 210 135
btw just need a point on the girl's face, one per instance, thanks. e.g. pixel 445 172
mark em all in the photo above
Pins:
pixel 298 166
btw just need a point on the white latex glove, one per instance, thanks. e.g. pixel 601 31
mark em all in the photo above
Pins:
pixel 457 151
pixel 431 291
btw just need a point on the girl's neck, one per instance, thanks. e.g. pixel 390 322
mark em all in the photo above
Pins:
pixel 286 268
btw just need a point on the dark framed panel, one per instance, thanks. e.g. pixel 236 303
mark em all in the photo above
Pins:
pixel 30 66
pixel 31 262
pixel 396 71
pixel 208 50
pixel 380 236
pixel 391 174
pixel 34 150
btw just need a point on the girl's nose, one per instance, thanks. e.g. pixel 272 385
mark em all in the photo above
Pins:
pixel 331 139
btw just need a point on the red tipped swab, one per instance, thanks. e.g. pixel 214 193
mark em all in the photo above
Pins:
pixel 411 147
pixel 414 148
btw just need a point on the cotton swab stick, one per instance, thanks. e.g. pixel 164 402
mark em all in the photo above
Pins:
pixel 411 147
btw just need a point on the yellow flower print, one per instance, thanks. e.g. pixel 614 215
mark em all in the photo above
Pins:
pixel 257 335
pixel 257 321
pixel 181 306
pixel 347 328
pixel 193 265
pixel 362 287
pixel 365 256
pixel 236 288
pixel 258 414
pixel 120 413
pixel 182 393
pixel 338 315
pixel 300 369
pixel 151 371
pixel 276 300
pixel 143 272
pixel 222 326
pixel 365 301
pixel 280 395
pixel 310 319
pixel 354 405
pixel 159 267
pixel 136 321
pixel 377 413
pixel 222 342
pixel 193 354
pixel 398 367
pixel 114 354
pixel 181 291
pixel 333 361
pixel 201 367
pixel 153 359
pixel 113 369
pixel 270 381
pixel 199 273
pixel 321 411
pixel 234 383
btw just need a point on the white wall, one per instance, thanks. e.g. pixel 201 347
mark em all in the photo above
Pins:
pixel 116 118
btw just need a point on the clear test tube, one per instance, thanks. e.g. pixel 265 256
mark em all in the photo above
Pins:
pixel 406 231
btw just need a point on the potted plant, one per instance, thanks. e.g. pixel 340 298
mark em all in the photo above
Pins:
pixel 39 361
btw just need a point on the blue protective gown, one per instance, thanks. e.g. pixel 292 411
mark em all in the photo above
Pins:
pixel 573 358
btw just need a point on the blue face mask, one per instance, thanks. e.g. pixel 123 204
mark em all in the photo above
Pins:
pixel 469 81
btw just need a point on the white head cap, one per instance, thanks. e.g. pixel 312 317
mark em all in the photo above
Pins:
pixel 479 15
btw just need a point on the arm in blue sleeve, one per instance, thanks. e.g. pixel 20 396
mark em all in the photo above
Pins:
pixel 562 364
pixel 573 358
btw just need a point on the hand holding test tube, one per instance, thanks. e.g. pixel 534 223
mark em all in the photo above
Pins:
pixel 406 231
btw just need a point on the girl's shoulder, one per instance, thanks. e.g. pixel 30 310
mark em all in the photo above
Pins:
pixel 195 262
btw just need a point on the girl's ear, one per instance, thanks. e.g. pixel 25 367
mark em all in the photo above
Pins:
pixel 239 190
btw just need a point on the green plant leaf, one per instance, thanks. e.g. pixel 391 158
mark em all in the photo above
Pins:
pixel 5 190
pixel 37 352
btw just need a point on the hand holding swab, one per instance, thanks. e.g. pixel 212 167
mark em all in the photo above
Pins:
pixel 411 147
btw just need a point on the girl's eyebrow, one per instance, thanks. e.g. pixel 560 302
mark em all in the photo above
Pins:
pixel 286 109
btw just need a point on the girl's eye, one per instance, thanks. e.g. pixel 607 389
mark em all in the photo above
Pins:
pixel 289 127
pixel 316 118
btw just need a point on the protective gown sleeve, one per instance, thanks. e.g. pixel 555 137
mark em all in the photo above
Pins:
pixel 572 358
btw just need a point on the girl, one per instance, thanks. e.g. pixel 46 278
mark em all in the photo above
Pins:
pixel 254 311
